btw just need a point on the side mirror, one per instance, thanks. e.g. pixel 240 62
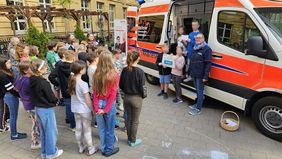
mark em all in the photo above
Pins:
pixel 255 47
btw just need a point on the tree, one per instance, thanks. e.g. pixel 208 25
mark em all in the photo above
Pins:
pixel 79 34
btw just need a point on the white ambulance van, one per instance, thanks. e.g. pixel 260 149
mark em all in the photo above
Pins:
pixel 246 39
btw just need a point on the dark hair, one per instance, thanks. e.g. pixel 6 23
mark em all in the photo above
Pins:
pixel 132 56
pixel 76 67
pixel 88 34
pixel 92 47
pixel 24 66
pixel 91 57
pixel 3 67
pixel 196 21
pixel 118 37
pixel 117 51
pixel 68 38
pixel 51 45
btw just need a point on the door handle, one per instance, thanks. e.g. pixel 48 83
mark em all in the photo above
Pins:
pixel 217 56
pixel 158 47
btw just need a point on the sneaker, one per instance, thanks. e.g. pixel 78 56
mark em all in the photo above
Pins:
pixel 81 149
pixel 115 151
pixel 35 146
pixel 95 125
pixel 174 100
pixel 161 93
pixel 72 129
pixel 178 101
pixel 195 112
pixel 137 142
pixel 4 130
pixel 193 106
pixel 165 96
pixel 120 107
pixel 116 138
pixel 92 151
pixel 19 136
pixel 128 143
pixel 59 153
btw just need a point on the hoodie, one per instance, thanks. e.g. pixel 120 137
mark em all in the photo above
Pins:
pixel 42 95
pixel 22 85
pixel 59 77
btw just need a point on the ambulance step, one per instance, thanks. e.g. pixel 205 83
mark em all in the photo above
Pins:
pixel 185 92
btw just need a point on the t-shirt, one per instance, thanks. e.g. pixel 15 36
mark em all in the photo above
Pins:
pixel 192 43
pixel 78 103
pixel 90 72
pixel 52 58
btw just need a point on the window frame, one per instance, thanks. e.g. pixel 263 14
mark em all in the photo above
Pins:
pixel 100 9
pixel 18 20
pixel 112 15
pixel 44 4
pixel 244 30
pixel 85 6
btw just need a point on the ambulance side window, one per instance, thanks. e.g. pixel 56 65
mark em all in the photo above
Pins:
pixel 150 28
pixel 234 29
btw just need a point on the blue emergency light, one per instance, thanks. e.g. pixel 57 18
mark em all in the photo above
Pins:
pixel 141 2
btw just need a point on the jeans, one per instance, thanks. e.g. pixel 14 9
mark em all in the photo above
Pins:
pixel 48 131
pixel 13 105
pixel 106 127
pixel 199 85
pixel 69 113
pixel 16 72
pixel 177 85
pixel 133 105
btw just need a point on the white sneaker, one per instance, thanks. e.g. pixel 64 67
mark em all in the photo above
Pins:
pixel 81 149
pixel 121 107
pixel 92 151
pixel 35 147
pixel 60 152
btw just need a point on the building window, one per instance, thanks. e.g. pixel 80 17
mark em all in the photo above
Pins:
pixel 20 22
pixel 234 29
pixel 45 4
pixel 124 13
pixel 112 15
pixel 100 7
pixel 86 20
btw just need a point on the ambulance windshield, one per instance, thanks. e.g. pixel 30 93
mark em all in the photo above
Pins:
pixel 272 17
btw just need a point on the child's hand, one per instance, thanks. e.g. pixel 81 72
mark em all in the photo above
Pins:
pixel 100 112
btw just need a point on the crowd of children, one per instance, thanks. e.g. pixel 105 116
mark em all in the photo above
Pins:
pixel 23 76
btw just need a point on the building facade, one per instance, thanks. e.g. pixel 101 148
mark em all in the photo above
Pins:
pixel 115 8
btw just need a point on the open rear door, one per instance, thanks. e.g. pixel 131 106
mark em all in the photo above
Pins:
pixel 152 27
pixel 132 27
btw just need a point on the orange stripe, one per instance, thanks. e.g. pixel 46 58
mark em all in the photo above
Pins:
pixel 228 3
pixel 154 9
pixel 271 78
pixel 267 3
pixel 131 14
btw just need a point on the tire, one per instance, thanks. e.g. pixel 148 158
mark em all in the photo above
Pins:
pixel 267 115
pixel 152 80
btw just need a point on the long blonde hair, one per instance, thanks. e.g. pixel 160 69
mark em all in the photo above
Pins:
pixel 105 74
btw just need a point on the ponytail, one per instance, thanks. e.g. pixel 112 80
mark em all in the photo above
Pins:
pixel 76 68
pixel 132 57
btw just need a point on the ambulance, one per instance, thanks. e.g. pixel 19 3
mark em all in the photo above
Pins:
pixel 246 39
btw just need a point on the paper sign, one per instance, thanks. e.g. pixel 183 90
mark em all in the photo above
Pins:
pixel 169 60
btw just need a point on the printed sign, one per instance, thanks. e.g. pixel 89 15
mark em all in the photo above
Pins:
pixel 120 30
pixel 169 60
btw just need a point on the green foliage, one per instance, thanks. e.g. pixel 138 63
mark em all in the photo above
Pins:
pixel 39 39
pixel 64 2
pixel 79 34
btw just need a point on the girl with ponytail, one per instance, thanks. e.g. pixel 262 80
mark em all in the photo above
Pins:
pixel 81 106
pixel 132 82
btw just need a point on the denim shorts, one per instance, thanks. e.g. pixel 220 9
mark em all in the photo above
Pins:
pixel 165 79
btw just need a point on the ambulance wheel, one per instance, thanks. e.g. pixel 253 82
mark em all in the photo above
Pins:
pixel 267 114
pixel 152 80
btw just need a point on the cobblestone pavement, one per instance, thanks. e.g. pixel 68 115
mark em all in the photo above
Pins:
pixel 168 132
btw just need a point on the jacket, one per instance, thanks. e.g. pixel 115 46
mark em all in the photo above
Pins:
pixel 42 95
pixel 7 85
pixel 200 62
pixel 59 77
pixel 162 70
pixel 23 86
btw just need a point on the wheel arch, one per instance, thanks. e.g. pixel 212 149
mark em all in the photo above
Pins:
pixel 250 103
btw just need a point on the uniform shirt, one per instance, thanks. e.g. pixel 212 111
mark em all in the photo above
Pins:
pixel 192 43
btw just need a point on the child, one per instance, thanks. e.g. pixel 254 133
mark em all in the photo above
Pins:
pixel 12 54
pixel 81 106
pixel 23 87
pixel 44 100
pixel 22 52
pixel 105 88
pixel 91 39
pixel 164 72
pixel 93 61
pixel 59 78
pixel 70 40
pixel 52 57
pixel 132 83
pixel 34 52
pixel 177 74
pixel 11 95
pixel 118 66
